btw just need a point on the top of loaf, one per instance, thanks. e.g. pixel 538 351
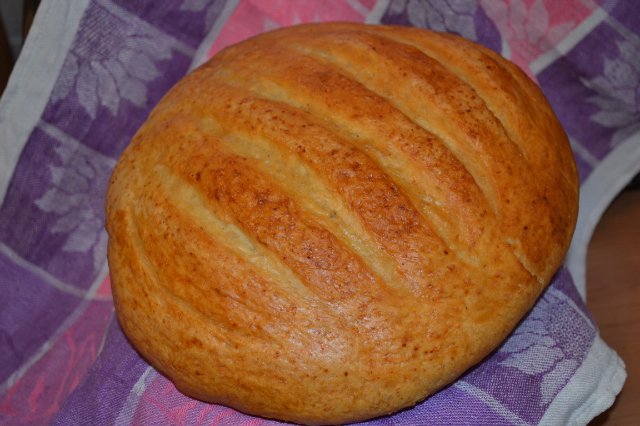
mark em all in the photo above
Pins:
pixel 329 222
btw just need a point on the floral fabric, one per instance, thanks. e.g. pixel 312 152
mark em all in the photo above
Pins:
pixel 69 112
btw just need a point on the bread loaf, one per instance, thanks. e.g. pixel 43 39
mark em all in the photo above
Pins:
pixel 330 222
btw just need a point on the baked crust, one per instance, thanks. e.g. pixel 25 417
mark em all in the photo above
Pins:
pixel 330 222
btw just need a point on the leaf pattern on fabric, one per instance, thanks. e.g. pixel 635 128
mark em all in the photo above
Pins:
pixel 539 346
pixel 107 66
pixel 454 16
pixel 532 27
pixel 72 197
pixel 618 92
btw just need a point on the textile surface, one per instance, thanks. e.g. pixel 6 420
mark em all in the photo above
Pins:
pixel 89 75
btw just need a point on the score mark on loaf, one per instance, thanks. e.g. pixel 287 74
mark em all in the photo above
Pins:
pixel 330 222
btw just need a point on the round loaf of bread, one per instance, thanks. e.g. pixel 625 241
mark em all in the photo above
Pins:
pixel 330 222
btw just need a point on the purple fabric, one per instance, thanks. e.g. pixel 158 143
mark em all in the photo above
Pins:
pixel 599 109
pixel 98 400
pixel 43 388
pixel 21 332
pixel 53 213
pixel 465 18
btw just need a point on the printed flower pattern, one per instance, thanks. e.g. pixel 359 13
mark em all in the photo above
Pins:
pixel 532 27
pixel 549 345
pixel 618 92
pixel 439 15
pixel 105 67
pixel 73 198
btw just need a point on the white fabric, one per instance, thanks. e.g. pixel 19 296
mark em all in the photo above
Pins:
pixel 33 77
pixel 601 187
pixel 591 390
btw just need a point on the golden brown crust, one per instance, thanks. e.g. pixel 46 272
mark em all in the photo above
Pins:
pixel 330 222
